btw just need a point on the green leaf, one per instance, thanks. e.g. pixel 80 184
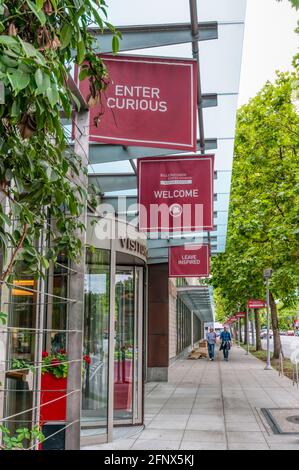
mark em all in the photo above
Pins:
pixel 115 44
pixel 5 219
pixel 42 81
pixel 15 109
pixel 45 262
pixel 9 41
pixel 80 52
pixel 39 14
pixel 39 4
pixel 19 80
pixel 3 318
pixel 66 35
pixel 29 50
pixel 52 95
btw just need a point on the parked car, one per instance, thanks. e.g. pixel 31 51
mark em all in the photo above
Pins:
pixel 290 333
pixel 263 334
pixel 282 332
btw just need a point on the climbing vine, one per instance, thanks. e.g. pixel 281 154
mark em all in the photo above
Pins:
pixel 40 42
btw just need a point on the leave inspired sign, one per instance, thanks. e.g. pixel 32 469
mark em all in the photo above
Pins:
pixel 176 193
pixel 189 261
pixel 149 102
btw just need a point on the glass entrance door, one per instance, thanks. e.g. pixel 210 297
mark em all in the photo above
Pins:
pixel 128 341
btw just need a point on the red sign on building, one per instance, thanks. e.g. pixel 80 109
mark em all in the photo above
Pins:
pixel 256 303
pixel 240 314
pixel 150 102
pixel 189 261
pixel 176 193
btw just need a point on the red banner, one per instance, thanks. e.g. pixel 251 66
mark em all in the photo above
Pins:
pixel 240 314
pixel 176 193
pixel 256 303
pixel 189 261
pixel 149 102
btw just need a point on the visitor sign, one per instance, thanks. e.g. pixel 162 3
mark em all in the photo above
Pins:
pixel 240 314
pixel 189 261
pixel 149 102
pixel 175 193
pixel 256 303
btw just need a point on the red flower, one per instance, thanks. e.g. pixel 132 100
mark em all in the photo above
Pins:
pixel 62 351
pixel 55 361
pixel 87 359
pixel 45 354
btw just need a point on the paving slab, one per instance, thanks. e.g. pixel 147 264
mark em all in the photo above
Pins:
pixel 214 405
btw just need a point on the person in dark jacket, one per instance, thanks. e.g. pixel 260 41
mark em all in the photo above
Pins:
pixel 225 338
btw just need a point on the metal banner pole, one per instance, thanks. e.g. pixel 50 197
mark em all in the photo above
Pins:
pixel 247 330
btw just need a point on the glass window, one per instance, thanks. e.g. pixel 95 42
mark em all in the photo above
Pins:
pixel 96 337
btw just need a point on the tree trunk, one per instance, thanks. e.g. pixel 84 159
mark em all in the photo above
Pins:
pixel 275 327
pixel 258 343
pixel 240 329
pixel 236 333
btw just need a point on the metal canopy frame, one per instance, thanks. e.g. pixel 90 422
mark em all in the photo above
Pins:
pixel 107 153
pixel 148 36
pixel 198 300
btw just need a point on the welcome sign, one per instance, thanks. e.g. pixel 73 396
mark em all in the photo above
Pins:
pixel 175 193
pixel 150 102
pixel 189 261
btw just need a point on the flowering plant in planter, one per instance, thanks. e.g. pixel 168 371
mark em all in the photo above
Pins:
pixel 56 364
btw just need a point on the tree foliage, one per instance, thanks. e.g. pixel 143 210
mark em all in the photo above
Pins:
pixel 40 41
pixel 263 227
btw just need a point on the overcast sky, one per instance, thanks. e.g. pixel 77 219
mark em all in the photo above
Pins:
pixel 269 43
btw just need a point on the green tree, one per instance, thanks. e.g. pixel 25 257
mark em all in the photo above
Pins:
pixel 40 41
pixel 263 216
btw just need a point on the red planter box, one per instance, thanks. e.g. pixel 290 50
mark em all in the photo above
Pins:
pixel 52 388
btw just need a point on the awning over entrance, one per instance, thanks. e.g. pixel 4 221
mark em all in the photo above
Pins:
pixel 198 299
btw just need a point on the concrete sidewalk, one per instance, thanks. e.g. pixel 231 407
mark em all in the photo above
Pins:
pixel 214 405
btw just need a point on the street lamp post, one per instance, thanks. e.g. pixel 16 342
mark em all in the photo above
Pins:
pixel 267 276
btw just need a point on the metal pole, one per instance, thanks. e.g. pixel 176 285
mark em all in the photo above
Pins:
pixel 252 327
pixel 195 53
pixel 247 330
pixel 239 332
pixel 268 366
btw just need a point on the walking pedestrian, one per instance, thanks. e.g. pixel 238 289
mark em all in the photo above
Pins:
pixel 225 342
pixel 211 338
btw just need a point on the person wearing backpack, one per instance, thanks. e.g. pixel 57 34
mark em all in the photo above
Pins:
pixel 225 343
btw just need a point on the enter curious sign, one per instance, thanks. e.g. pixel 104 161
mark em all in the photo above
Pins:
pixel 189 261
pixel 150 102
pixel 175 193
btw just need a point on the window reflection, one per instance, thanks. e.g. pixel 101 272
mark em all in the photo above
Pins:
pixel 96 337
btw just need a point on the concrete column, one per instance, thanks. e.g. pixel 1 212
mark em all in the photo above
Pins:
pixel 158 323
pixel 76 309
